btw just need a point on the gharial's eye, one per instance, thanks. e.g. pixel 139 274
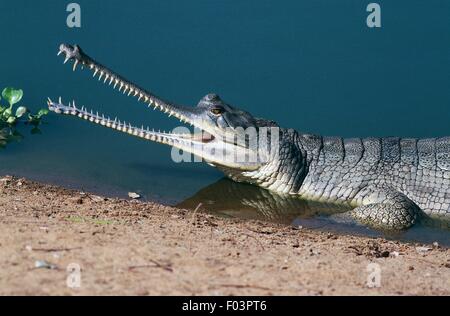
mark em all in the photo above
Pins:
pixel 217 111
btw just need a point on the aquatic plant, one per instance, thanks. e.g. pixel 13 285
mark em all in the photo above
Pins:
pixel 12 114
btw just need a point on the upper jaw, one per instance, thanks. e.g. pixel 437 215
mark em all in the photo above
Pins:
pixel 76 54
pixel 189 115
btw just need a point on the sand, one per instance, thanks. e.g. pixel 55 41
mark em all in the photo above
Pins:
pixel 55 241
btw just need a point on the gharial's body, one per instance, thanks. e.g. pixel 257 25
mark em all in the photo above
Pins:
pixel 391 178
pixel 391 182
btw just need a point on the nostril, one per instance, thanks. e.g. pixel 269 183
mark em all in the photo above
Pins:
pixel 212 97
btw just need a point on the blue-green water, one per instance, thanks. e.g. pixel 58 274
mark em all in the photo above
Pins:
pixel 310 65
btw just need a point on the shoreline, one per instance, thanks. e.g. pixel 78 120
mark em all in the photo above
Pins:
pixel 145 248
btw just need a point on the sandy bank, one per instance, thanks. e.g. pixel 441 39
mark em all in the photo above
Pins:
pixel 135 248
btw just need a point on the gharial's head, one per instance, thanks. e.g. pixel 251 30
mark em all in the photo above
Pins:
pixel 226 137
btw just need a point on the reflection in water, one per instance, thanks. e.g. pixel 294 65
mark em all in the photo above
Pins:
pixel 231 199
pixel 11 134
pixel 8 135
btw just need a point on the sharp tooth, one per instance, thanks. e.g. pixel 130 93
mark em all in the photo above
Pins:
pixel 131 90
pixel 140 97
pixel 59 100
pixel 49 100
pixel 75 64
pixel 171 113
pixel 101 75
pixel 136 93
pixel 106 78
pixel 121 86
pixel 59 53
pixel 66 60
pixel 91 66
pixel 95 72
pixel 146 99
pixel 111 80
pixel 115 84
pixel 82 109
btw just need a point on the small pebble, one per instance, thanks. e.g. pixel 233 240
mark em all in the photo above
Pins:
pixel 42 264
pixel 423 250
pixel 134 195
pixel 97 198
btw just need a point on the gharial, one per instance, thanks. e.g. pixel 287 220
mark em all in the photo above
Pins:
pixel 391 183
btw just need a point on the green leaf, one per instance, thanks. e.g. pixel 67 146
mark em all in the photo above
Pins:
pixel 7 113
pixel 41 113
pixel 11 120
pixel 12 95
pixel 21 110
